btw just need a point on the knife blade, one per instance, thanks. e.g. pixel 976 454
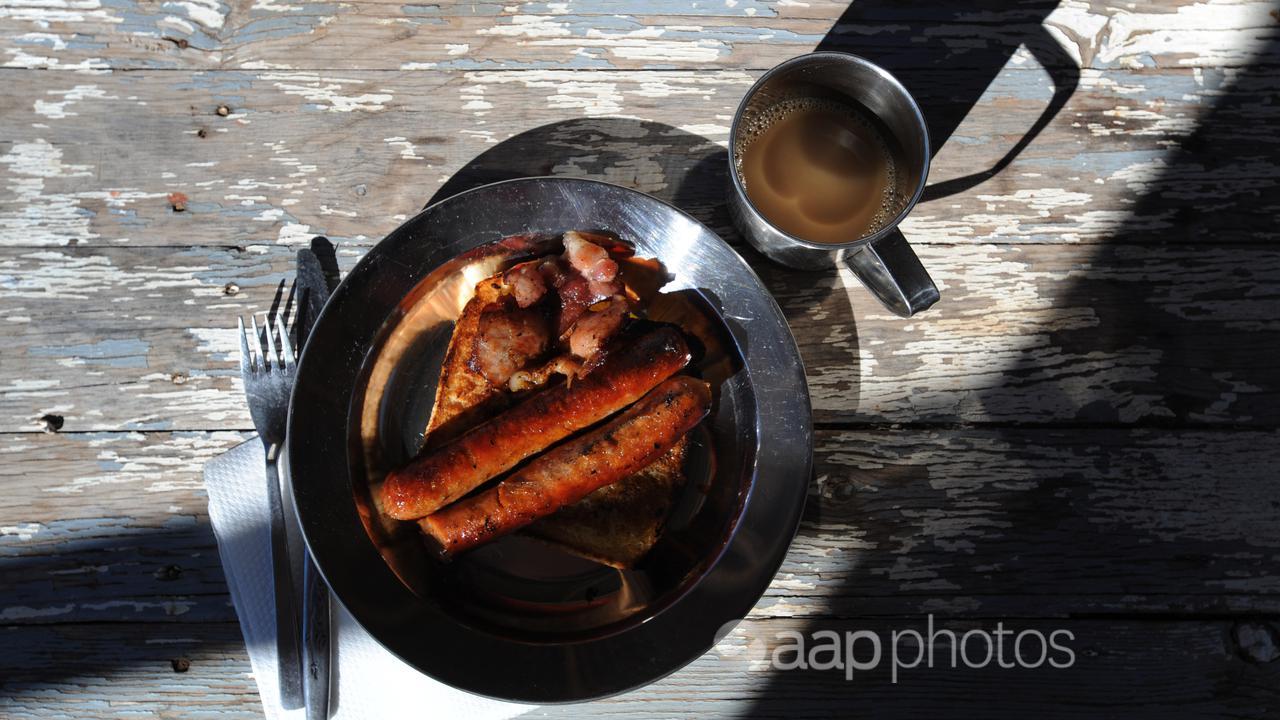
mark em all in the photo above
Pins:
pixel 317 276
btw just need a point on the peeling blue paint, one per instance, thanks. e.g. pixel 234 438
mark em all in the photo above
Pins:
pixel 663 7
pixel 471 9
pixel 273 26
pixel 131 353
pixel 65 530
pixel 1102 164
pixel 220 82
pixel 136 19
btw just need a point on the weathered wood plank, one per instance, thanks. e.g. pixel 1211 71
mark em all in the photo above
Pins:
pixel 964 523
pixel 153 355
pixel 1124 335
pixel 110 671
pixel 618 34
pixel 144 339
pixel 1143 669
pixel 68 476
pixel 109 527
pixel 940 519
pixel 93 160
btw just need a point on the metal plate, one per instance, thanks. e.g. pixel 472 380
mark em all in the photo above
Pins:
pixel 760 429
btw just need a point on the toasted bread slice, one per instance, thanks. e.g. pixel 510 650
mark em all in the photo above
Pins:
pixel 619 523
pixel 615 525
pixel 464 397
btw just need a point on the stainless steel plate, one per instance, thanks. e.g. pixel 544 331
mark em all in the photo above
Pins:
pixel 540 642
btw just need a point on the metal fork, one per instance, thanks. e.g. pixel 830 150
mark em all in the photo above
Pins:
pixel 268 380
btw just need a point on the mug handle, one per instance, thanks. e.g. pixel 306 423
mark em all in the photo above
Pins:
pixel 892 272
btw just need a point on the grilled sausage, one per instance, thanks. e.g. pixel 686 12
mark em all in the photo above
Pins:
pixel 577 468
pixel 444 474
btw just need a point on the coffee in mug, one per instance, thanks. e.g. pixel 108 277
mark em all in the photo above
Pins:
pixel 820 168
pixel 828 152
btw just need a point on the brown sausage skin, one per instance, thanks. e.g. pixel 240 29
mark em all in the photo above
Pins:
pixel 440 476
pixel 575 469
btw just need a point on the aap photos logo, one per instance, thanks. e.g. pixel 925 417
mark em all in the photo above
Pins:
pixel 754 649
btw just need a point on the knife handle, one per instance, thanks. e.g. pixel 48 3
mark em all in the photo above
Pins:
pixel 316 652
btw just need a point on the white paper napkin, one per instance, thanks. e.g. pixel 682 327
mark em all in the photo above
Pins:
pixel 370 682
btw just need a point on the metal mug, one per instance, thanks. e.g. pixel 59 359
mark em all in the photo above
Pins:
pixel 883 260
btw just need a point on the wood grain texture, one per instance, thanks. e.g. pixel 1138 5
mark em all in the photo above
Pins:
pixel 616 34
pixel 126 670
pixel 942 520
pixel 973 523
pixel 109 527
pixel 142 339
pixel 1142 669
pixel 94 160
pixel 1081 436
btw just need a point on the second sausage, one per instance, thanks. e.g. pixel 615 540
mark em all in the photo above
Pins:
pixel 575 469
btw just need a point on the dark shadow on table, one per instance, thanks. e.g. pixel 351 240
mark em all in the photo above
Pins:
pixel 1215 194
pixel 68 613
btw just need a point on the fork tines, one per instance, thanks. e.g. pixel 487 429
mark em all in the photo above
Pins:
pixel 267 356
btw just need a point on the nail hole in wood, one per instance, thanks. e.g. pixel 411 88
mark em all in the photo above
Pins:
pixel 1256 642
pixel 52 423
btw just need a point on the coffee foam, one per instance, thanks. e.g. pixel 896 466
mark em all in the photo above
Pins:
pixel 756 121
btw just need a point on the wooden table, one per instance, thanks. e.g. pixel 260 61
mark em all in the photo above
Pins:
pixel 1082 436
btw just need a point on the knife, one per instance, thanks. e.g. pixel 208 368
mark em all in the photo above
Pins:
pixel 317 276
pixel 316 656
pixel 312 595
